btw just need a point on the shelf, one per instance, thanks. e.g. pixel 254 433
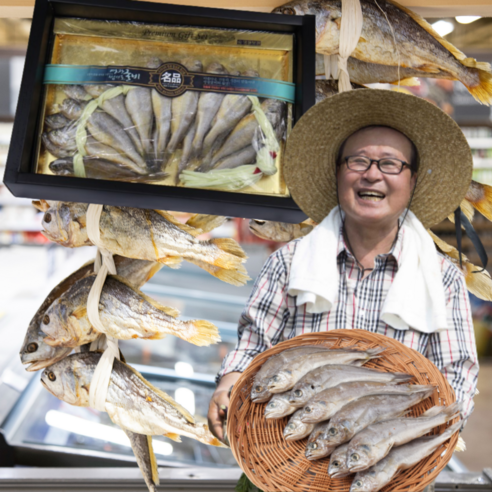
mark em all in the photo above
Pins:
pixel 427 8
pixel 480 143
pixel 482 163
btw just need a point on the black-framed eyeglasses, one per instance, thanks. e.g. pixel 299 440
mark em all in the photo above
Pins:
pixel 360 164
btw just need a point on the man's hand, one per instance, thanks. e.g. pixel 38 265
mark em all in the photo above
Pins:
pixel 219 404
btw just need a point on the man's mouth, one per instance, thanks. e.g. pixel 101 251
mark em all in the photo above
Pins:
pixel 373 196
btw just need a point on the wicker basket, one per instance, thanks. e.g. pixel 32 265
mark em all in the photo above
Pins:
pixel 274 464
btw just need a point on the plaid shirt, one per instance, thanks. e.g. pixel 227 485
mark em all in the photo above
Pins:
pixel 271 315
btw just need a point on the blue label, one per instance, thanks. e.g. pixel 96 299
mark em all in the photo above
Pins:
pixel 170 79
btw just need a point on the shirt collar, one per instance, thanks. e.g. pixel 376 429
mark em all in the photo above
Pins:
pixel 395 252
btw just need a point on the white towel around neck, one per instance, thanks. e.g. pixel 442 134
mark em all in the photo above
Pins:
pixel 416 296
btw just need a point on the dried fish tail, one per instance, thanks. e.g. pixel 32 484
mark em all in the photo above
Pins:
pixel 237 277
pixel 475 76
pixel 480 196
pixel 231 255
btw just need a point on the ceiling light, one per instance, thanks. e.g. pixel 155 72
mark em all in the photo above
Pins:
pixel 467 19
pixel 443 27
pixel 77 425
pixel 186 398
pixel 184 369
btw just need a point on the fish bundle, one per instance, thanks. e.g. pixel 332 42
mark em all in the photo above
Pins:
pixel 35 351
pixel 136 134
pixel 352 415
pixel 395 44
pixel 131 402
pixel 152 235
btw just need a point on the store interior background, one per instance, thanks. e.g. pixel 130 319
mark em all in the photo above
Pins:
pixel 30 267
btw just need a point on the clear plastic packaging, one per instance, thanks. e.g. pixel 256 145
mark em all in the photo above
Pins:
pixel 153 120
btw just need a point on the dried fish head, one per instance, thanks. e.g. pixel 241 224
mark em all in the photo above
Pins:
pixel 280 381
pixel 338 462
pixel 315 411
pixel 363 457
pixel 68 381
pixel 338 432
pixel 302 393
pixel 65 223
pixel 295 429
pixel 260 392
pixel 365 483
pixel 39 354
pixel 279 406
pixel 66 323
pixel 326 13
pixel 317 446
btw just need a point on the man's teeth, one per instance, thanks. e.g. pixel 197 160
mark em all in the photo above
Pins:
pixel 371 195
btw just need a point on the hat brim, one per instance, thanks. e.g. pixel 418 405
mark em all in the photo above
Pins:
pixel 445 159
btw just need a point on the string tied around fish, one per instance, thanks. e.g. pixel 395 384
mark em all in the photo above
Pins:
pixel 103 265
pixel 248 174
pixel 81 132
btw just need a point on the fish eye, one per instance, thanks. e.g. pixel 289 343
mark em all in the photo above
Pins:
pixel 358 483
pixel 272 405
pixel 313 445
pixel 51 376
pixel 355 457
pixel 288 11
pixel 308 409
pixel 336 463
pixel 47 217
pixel 32 347
pixel 333 431
pixel 259 389
pixel 46 320
pixel 291 426
pixel 297 393
pixel 275 379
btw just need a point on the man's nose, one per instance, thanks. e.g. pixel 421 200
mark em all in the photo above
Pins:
pixel 373 173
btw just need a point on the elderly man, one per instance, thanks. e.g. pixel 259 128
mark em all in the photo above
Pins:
pixel 375 168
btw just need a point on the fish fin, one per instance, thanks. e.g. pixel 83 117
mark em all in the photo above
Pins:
pixel 480 196
pixel 408 82
pixel 203 333
pixel 482 92
pixel 374 353
pixel 460 445
pixel 401 377
pixel 209 438
pixel 173 436
pixel 79 312
pixel 419 388
pixel 157 305
pixel 206 222
pixel 173 262
pixel 233 255
pixel 155 268
pixel 153 462
pixel 52 342
pixel 358 363
pixel 467 209
pixel 162 394
pixel 184 227
pixel 432 412
pixel 41 205
pixel 236 277
pixel 479 283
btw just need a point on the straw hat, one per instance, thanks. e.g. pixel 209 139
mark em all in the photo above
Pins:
pixel 445 160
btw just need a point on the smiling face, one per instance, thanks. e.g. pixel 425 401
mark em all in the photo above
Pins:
pixel 372 197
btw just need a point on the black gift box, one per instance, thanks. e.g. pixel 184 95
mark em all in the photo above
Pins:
pixel 20 176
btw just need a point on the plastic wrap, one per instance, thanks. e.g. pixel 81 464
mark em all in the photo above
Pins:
pixel 167 105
